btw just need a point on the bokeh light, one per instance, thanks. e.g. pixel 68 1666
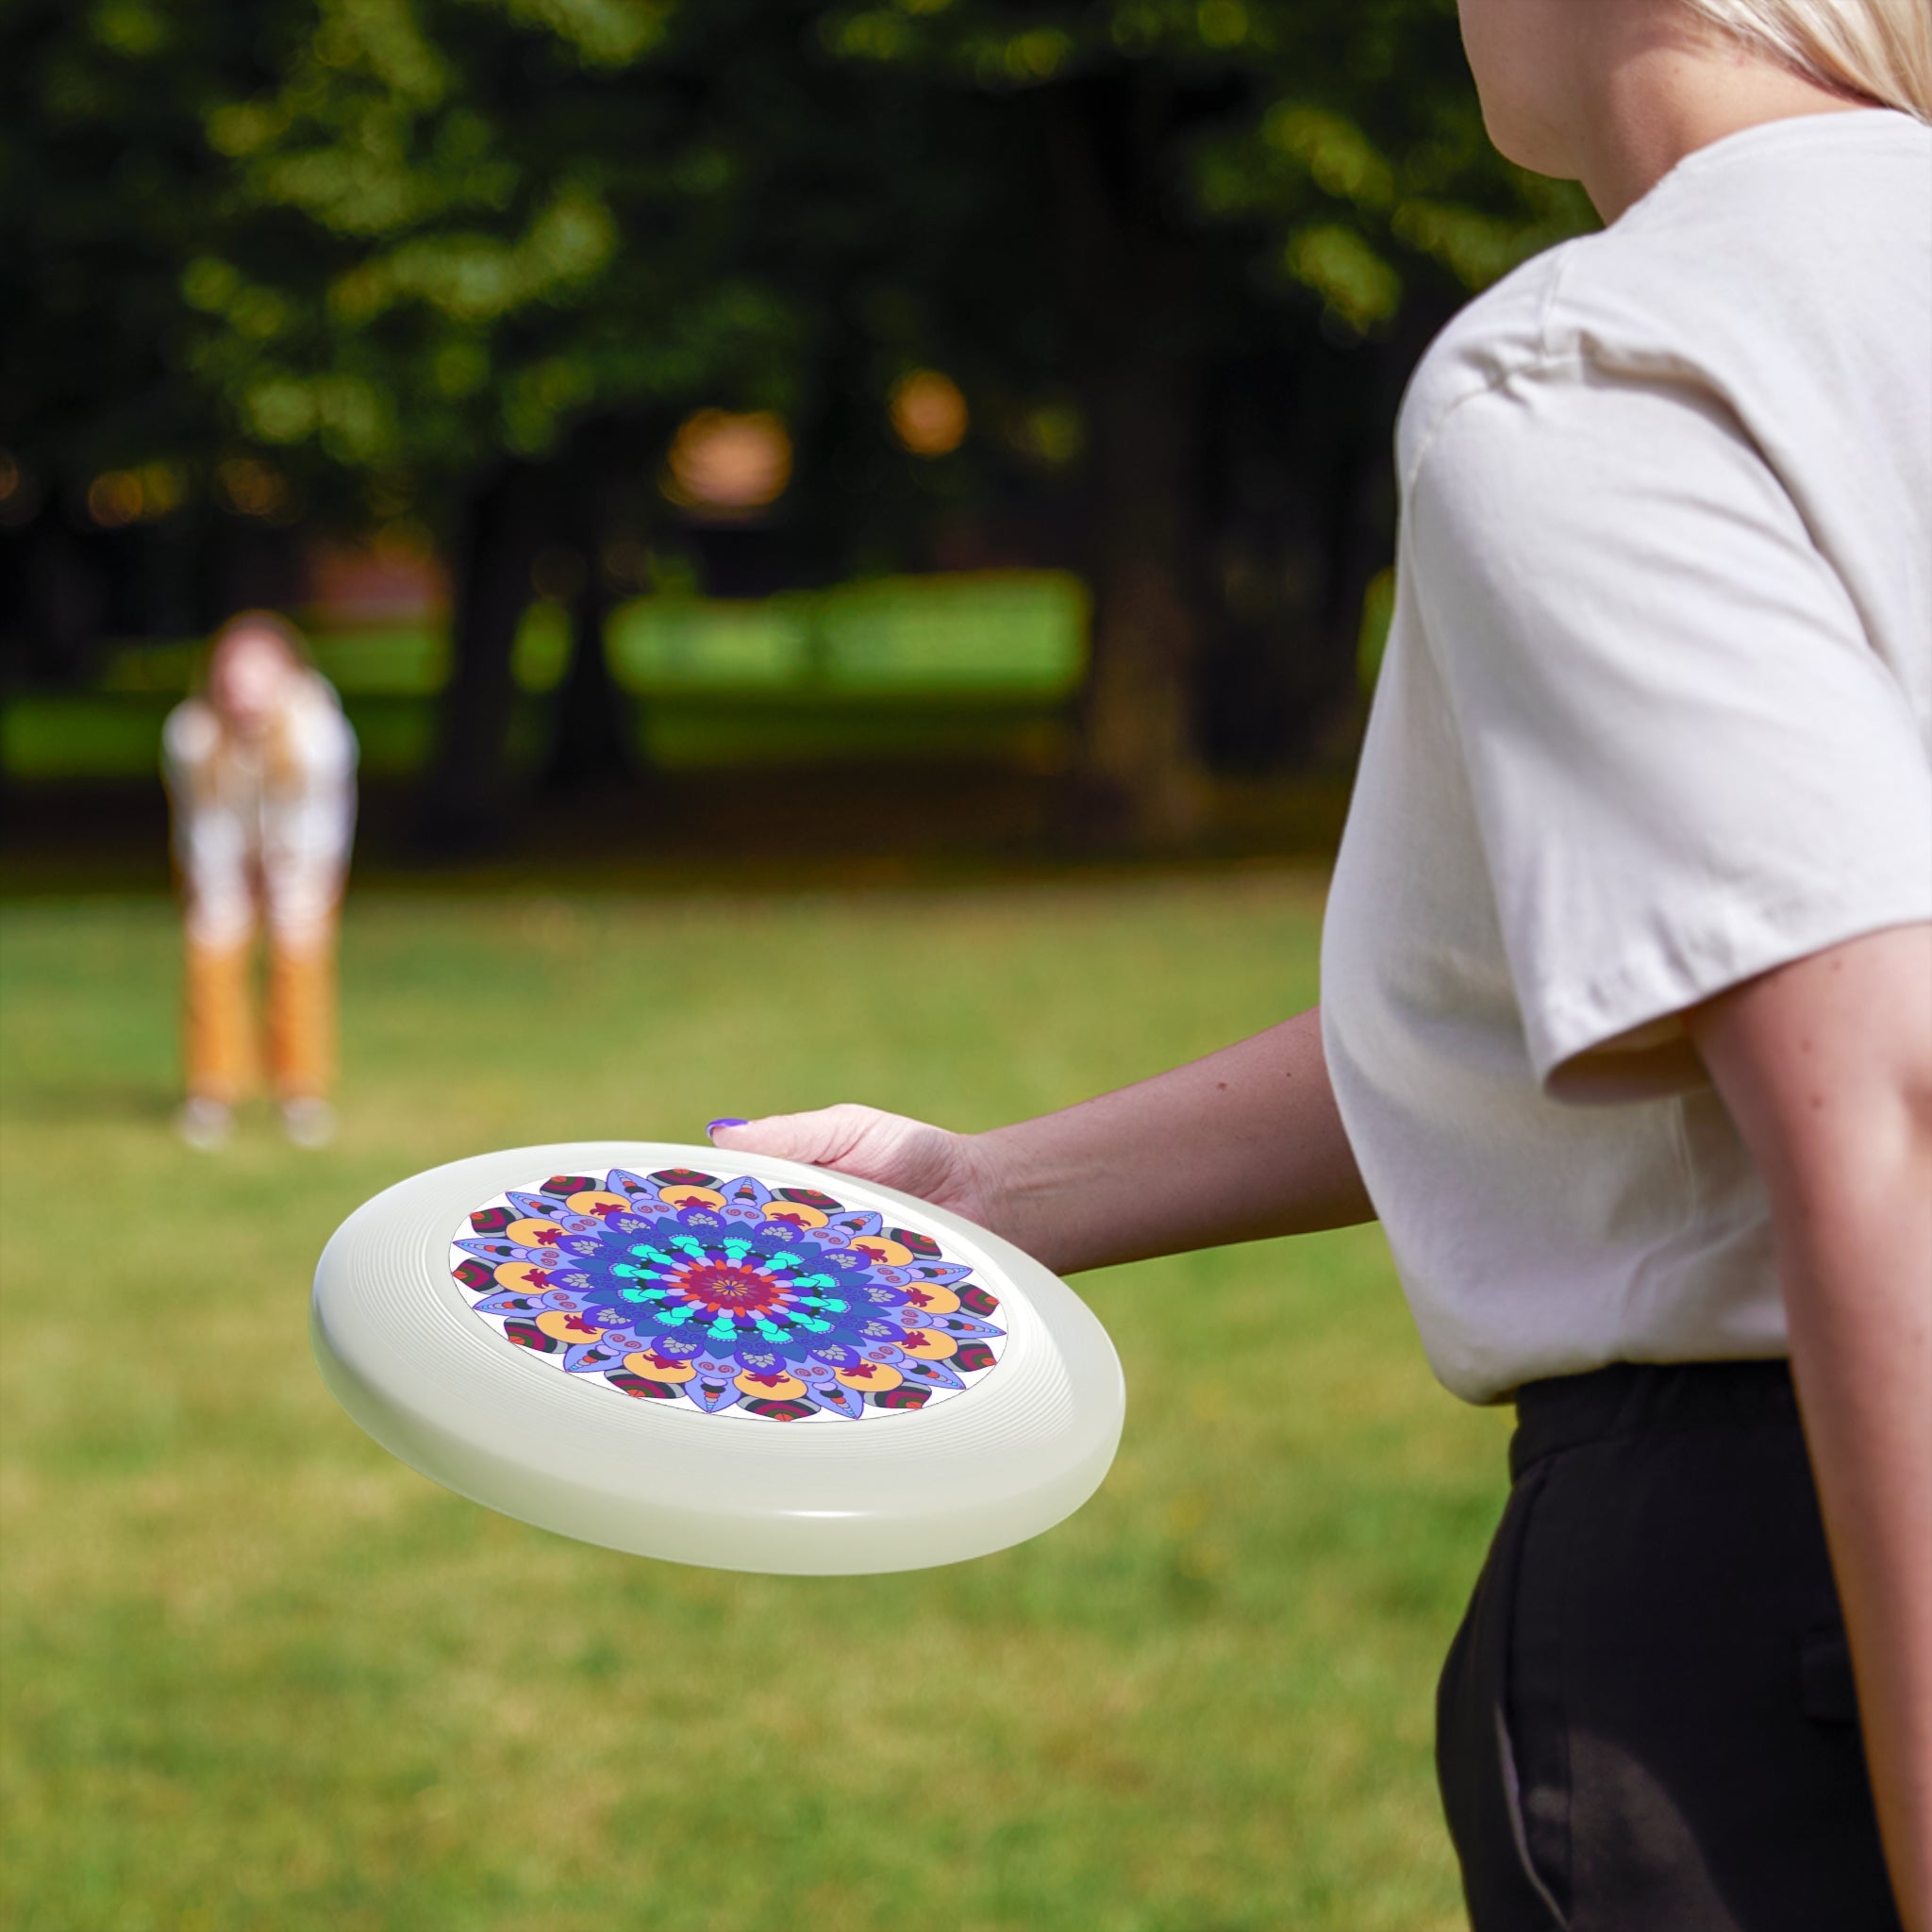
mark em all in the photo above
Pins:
pixel 114 499
pixel 1050 433
pixel 727 464
pixel 929 415
pixel 250 488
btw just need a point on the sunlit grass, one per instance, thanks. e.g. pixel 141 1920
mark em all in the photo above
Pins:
pixel 258 1675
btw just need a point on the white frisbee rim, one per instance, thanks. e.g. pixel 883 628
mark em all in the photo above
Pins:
pixel 439 1387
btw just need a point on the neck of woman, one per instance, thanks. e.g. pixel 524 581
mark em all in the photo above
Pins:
pixel 1657 91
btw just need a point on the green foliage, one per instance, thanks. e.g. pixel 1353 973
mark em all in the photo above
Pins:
pixel 499 238
pixel 1347 133
pixel 106 189
pixel 258 1673
pixel 396 239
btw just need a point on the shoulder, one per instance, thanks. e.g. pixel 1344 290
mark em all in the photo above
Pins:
pixel 1745 272
pixel 1496 338
pixel 1603 308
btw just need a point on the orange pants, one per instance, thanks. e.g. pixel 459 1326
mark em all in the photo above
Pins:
pixel 222 1046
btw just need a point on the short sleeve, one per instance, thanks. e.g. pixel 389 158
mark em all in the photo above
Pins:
pixel 1689 763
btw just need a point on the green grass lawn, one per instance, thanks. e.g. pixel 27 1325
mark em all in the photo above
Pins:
pixel 258 1675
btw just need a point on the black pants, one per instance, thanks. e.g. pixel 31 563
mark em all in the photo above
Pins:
pixel 1646 1721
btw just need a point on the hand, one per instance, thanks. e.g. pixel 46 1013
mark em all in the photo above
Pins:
pixel 943 1168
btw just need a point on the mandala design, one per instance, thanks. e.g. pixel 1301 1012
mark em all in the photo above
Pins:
pixel 784 1305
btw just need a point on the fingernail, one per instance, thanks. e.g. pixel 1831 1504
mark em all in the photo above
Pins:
pixel 713 1127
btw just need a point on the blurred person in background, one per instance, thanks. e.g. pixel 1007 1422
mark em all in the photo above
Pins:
pixel 260 769
pixel 1626 1021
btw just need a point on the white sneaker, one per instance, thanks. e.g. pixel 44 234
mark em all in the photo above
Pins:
pixel 308 1122
pixel 204 1123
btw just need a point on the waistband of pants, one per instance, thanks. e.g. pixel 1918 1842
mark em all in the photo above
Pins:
pixel 1639 1398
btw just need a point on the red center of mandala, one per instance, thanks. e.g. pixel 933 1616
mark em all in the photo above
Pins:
pixel 719 1285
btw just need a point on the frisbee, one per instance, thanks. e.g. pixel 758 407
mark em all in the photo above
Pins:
pixel 717 1358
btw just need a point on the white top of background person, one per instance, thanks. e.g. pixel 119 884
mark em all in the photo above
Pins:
pixel 260 769
pixel 1630 961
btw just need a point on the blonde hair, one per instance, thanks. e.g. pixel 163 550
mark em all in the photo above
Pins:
pixel 255 622
pixel 1878 50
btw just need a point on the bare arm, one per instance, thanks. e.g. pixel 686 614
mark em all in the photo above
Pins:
pixel 1240 1145
pixel 1826 1067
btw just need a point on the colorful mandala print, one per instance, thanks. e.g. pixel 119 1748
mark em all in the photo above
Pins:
pixel 782 1306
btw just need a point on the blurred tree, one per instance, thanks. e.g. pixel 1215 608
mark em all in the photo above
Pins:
pixel 512 230
pixel 1234 193
pixel 106 188
pixel 469 262
pixel 528 239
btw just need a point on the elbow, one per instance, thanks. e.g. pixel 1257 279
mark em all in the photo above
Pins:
pixel 1858 1175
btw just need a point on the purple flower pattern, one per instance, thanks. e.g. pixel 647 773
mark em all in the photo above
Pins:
pixel 743 1301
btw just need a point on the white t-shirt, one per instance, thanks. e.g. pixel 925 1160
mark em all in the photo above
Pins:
pixel 244 831
pixel 1656 716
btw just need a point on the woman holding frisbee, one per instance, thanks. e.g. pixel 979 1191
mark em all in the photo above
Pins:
pixel 261 775
pixel 1626 1032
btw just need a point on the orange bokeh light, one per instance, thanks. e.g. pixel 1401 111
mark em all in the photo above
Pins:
pixel 728 464
pixel 929 415
pixel 115 499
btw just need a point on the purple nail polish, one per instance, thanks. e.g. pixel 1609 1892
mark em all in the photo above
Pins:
pixel 713 1127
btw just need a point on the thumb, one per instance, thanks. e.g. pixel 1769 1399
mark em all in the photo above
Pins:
pixel 861 1141
pixel 818 1137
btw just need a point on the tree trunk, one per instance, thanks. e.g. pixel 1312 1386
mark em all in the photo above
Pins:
pixel 592 747
pixel 1139 737
pixel 468 800
pixel 593 744
pixel 1134 307
pixel 63 605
